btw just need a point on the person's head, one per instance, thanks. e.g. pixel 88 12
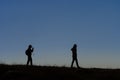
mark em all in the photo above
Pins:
pixel 30 46
pixel 75 45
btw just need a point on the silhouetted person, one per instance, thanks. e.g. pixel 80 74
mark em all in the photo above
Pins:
pixel 29 54
pixel 74 55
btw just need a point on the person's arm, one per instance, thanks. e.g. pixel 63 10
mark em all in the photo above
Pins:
pixel 32 49
pixel 72 48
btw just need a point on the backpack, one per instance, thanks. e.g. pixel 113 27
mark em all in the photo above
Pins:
pixel 27 52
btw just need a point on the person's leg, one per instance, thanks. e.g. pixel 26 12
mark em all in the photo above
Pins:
pixel 28 61
pixel 77 63
pixel 72 63
pixel 31 61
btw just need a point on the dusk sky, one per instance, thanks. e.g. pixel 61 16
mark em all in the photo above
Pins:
pixel 53 26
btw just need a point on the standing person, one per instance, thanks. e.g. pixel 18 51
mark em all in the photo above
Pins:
pixel 29 54
pixel 74 55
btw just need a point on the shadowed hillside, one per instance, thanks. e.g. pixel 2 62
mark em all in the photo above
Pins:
pixel 21 72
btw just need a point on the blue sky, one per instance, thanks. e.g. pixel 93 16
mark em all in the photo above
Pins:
pixel 53 26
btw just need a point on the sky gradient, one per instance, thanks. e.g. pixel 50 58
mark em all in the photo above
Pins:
pixel 53 26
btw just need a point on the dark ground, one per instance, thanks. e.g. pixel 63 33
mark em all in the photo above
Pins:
pixel 21 72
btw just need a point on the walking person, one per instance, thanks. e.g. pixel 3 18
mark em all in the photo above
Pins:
pixel 74 55
pixel 28 52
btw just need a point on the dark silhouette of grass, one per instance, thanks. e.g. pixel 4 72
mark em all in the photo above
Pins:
pixel 22 72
